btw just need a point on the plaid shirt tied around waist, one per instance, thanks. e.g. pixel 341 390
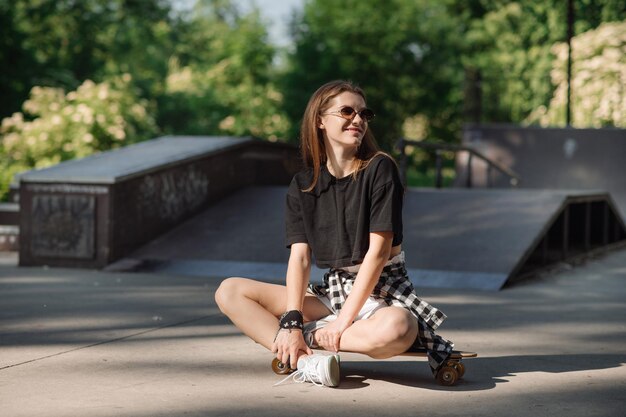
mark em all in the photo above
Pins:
pixel 393 286
pixel 395 289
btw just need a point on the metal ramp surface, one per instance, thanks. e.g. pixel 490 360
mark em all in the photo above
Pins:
pixel 551 158
pixel 488 238
pixel 478 239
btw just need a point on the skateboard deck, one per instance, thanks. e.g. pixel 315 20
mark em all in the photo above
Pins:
pixel 448 374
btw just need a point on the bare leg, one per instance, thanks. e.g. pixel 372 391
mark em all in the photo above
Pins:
pixel 254 307
pixel 388 332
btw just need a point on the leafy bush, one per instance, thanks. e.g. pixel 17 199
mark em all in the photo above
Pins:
pixel 219 79
pixel 598 68
pixel 208 102
pixel 56 126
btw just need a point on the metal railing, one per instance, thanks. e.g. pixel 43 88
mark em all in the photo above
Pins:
pixel 438 148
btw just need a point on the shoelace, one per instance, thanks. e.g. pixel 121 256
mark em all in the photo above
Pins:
pixel 307 373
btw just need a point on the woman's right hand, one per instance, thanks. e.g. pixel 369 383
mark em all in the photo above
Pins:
pixel 289 346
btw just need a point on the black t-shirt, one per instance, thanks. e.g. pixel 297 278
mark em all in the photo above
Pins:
pixel 336 217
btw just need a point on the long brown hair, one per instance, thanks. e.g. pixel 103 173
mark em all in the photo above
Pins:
pixel 312 144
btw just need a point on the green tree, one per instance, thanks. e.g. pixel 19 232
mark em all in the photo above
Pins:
pixel 17 63
pixel 598 68
pixel 61 43
pixel 220 78
pixel 509 44
pixel 400 51
pixel 125 64
pixel 139 38
pixel 56 126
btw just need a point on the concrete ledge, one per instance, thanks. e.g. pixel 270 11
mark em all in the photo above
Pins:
pixel 134 161
pixel 90 212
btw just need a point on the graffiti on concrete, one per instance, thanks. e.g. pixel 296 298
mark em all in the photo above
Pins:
pixel 172 194
pixel 63 226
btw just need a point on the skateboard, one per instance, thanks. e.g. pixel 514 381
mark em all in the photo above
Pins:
pixel 448 374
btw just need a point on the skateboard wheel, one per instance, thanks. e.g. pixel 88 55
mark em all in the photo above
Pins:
pixel 447 375
pixel 280 368
pixel 460 368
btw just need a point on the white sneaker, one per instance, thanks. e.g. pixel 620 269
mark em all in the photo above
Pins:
pixel 321 370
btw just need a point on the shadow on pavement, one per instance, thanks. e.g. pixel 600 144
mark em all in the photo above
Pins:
pixel 481 373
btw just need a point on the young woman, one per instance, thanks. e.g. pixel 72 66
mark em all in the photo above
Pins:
pixel 345 210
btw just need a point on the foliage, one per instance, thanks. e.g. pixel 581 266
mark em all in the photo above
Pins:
pixel 399 51
pixel 509 43
pixel 61 43
pixel 211 69
pixel 411 57
pixel 598 71
pixel 512 43
pixel 56 126
pixel 204 72
pixel 219 79
pixel 423 173
pixel 15 77
pixel 197 102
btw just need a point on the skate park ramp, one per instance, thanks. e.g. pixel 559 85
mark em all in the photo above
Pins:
pixel 550 158
pixel 481 239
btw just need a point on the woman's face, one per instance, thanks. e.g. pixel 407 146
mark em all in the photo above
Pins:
pixel 340 128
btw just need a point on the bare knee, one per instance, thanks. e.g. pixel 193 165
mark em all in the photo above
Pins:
pixel 396 333
pixel 395 326
pixel 228 292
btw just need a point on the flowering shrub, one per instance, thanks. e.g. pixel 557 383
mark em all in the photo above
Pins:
pixel 214 101
pixel 598 79
pixel 56 126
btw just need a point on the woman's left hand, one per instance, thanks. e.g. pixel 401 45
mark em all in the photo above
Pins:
pixel 329 337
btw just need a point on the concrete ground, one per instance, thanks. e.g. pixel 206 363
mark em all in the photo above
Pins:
pixel 89 343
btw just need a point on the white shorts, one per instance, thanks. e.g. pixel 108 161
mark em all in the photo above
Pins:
pixel 372 304
pixel 370 307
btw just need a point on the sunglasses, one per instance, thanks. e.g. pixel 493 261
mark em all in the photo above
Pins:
pixel 349 113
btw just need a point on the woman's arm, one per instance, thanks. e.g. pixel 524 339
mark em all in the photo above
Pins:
pixel 367 277
pixel 289 345
pixel 298 273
